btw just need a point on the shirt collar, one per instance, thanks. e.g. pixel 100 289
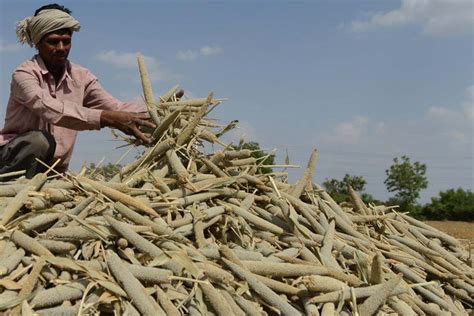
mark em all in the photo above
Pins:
pixel 44 70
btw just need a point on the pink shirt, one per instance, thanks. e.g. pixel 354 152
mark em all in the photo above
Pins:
pixel 75 103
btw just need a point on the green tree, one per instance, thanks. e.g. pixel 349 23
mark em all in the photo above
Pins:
pixel 259 154
pixel 407 179
pixel 338 189
pixel 106 171
pixel 457 205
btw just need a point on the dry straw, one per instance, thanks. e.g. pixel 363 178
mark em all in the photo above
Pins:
pixel 181 230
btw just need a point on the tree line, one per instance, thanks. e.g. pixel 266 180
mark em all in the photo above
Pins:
pixel 406 179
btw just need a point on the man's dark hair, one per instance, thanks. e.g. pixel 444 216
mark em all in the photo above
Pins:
pixel 53 6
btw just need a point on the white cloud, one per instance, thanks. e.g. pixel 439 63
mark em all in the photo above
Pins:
pixel 458 137
pixel 380 128
pixel 4 48
pixel 468 105
pixel 205 51
pixel 456 117
pixel 455 123
pixel 129 61
pixel 210 50
pixel 442 137
pixel 350 132
pixel 436 17
pixel 125 60
pixel 451 127
pixel 243 131
pixel 443 114
pixel 187 55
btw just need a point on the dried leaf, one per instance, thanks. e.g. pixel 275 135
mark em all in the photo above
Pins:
pixel 64 263
pixel 26 309
pixel 10 285
pixel 112 287
pixel 183 259
pixel 159 261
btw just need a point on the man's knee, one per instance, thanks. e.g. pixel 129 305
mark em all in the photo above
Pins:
pixel 21 153
pixel 41 143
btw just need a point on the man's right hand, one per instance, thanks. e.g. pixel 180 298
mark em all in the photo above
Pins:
pixel 127 122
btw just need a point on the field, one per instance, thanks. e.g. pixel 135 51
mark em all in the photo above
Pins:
pixel 460 230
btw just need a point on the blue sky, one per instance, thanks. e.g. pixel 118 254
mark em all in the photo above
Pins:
pixel 361 81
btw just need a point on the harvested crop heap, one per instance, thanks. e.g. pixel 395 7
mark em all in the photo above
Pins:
pixel 182 232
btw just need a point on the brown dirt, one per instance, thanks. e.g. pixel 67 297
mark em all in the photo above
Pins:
pixel 460 230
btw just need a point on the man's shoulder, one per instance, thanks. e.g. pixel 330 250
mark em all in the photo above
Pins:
pixel 77 67
pixel 29 64
pixel 80 71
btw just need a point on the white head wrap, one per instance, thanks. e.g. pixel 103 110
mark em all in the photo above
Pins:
pixel 31 29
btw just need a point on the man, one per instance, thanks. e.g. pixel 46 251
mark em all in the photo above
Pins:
pixel 51 99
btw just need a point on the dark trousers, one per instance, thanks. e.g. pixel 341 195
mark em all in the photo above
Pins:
pixel 21 151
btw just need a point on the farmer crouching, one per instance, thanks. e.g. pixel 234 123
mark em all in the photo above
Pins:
pixel 51 99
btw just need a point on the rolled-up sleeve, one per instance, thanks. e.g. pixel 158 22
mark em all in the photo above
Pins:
pixel 95 97
pixel 26 90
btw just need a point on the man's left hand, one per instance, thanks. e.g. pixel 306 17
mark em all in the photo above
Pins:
pixel 127 122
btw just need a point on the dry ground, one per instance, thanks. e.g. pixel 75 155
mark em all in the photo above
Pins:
pixel 460 230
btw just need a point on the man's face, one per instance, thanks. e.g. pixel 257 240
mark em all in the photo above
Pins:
pixel 54 48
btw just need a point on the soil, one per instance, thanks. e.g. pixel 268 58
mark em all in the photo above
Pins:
pixel 460 230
